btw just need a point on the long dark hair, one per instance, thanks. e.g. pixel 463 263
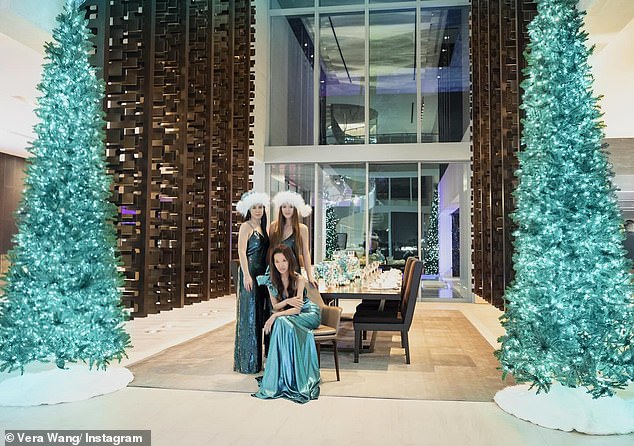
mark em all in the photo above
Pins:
pixel 276 277
pixel 262 222
pixel 278 232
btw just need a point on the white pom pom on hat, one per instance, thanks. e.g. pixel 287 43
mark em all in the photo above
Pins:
pixel 250 199
pixel 295 200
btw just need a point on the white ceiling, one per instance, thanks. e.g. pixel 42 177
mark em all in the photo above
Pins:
pixel 610 24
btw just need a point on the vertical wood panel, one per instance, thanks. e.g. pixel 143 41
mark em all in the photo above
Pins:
pixel 179 95
pixel 11 184
pixel 498 42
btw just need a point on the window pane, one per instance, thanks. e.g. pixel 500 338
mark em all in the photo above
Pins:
pixel 393 219
pixel 280 4
pixel 445 232
pixel 343 202
pixel 444 42
pixel 388 1
pixel 339 2
pixel 292 57
pixel 430 175
pixel 342 77
pixel 299 178
pixel 392 77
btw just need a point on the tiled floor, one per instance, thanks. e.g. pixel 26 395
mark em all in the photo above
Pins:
pixel 180 417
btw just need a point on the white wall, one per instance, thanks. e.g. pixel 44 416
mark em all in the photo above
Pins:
pixel 261 103
pixel 613 71
pixel 25 25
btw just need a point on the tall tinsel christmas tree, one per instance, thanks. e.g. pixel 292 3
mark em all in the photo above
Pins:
pixel 63 288
pixel 331 231
pixel 569 316
pixel 431 241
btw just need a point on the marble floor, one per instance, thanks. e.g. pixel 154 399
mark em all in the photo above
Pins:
pixel 179 417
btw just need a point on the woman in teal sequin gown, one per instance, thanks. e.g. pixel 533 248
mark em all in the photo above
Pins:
pixel 292 366
pixel 253 245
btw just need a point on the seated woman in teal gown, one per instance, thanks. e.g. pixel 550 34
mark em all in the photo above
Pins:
pixel 292 366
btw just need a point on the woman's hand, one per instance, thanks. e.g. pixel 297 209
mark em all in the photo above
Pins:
pixel 247 281
pixel 313 282
pixel 295 302
pixel 268 325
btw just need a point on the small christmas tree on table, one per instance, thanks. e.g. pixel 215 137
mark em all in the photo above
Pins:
pixel 63 299
pixel 569 311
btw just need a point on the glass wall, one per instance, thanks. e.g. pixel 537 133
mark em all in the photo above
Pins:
pixel 392 77
pixel 429 246
pixel 291 99
pixel 299 178
pixel 388 212
pixel 394 212
pixel 278 4
pixel 386 75
pixel 343 208
pixel 444 73
pixel 342 79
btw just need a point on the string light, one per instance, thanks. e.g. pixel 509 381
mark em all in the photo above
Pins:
pixel 570 313
pixel 63 288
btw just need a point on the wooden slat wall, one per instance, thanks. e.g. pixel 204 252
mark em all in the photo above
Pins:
pixel 11 185
pixel 179 118
pixel 499 38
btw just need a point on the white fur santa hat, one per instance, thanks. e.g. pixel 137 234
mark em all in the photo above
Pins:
pixel 250 199
pixel 295 200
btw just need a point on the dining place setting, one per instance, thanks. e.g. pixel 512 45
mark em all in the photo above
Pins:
pixel 386 298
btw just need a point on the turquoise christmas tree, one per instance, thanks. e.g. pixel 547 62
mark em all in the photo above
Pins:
pixel 431 241
pixel 63 299
pixel 569 311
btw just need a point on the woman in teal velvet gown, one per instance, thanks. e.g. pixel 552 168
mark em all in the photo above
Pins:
pixel 292 366
pixel 253 244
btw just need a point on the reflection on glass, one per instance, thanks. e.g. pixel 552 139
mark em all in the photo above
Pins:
pixel 392 76
pixel 430 177
pixel 343 207
pixel 299 178
pixel 340 2
pixel 391 227
pixel 394 213
pixel 279 4
pixel 342 77
pixel 292 57
pixel 444 73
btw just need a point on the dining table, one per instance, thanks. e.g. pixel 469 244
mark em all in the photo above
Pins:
pixel 357 290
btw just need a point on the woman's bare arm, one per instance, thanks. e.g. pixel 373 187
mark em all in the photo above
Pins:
pixel 306 254
pixel 243 237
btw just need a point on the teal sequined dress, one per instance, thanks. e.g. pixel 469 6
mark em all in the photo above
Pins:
pixel 290 242
pixel 292 366
pixel 247 357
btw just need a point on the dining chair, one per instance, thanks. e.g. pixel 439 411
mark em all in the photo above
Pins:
pixel 388 320
pixel 328 329
pixel 374 305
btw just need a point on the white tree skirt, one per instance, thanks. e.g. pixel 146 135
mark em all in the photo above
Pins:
pixel 569 409
pixel 55 385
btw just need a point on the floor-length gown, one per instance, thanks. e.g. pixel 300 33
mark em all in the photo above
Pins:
pixel 250 310
pixel 292 366
pixel 290 241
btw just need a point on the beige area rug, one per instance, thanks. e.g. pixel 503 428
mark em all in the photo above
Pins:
pixel 449 361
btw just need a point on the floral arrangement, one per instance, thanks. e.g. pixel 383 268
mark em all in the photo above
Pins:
pixel 339 271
